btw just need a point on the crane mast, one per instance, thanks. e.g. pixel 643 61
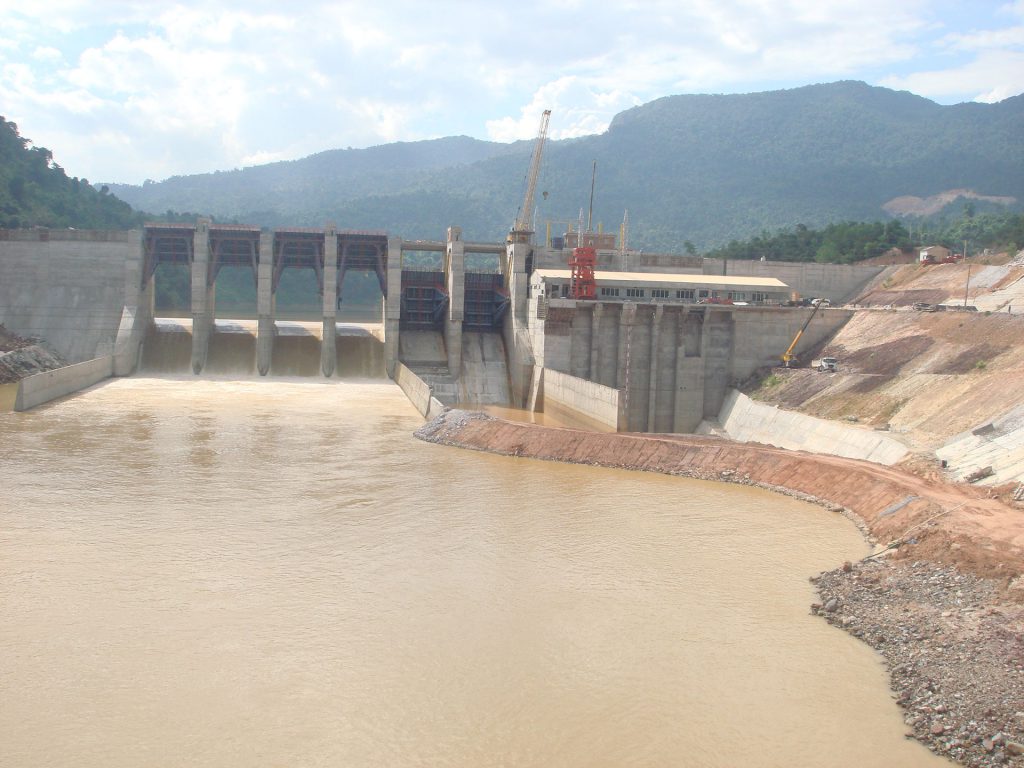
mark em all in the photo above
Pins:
pixel 523 227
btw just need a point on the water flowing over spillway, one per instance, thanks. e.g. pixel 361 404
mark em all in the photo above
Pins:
pixel 359 349
pixel 239 572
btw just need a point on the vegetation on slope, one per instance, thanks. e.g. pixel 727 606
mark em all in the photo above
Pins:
pixel 850 241
pixel 702 168
pixel 36 192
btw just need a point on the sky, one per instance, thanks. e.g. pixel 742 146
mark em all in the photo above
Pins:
pixel 129 90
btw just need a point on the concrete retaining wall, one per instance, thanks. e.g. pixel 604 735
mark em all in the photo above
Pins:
pixel 418 392
pixel 746 421
pixel 998 444
pixel 66 286
pixel 44 387
pixel 584 400
pixel 835 282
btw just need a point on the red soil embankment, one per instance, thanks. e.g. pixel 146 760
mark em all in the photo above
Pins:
pixel 978 534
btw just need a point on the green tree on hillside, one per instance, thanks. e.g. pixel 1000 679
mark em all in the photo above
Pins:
pixel 36 192
pixel 852 241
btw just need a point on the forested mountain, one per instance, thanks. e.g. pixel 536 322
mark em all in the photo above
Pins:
pixel 35 191
pixel 703 168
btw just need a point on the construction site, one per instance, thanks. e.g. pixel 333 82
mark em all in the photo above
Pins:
pixel 894 394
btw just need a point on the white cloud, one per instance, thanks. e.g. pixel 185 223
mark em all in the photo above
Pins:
pixel 992 76
pixel 188 86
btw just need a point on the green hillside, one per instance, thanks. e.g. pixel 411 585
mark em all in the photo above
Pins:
pixel 35 191
pixel 703 168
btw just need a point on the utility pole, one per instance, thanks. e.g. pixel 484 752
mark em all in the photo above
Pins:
pixel 590 214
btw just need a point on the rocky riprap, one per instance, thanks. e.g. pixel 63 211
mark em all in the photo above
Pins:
pixel 21 357
pixel 954 647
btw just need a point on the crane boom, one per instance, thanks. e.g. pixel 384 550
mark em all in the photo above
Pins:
pixel 788 357
pixel 523 228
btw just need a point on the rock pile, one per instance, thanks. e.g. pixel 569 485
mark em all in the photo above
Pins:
pixel 954 649
pixel 21 357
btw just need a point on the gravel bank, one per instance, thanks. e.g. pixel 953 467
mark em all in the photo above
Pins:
pixel 21 357
pixel 954 648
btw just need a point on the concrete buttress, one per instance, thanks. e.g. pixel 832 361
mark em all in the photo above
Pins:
pixel 623 375
pixel 597 314
pixel 137 314
pixel 652 402
pixel 689 380
pixel 717 352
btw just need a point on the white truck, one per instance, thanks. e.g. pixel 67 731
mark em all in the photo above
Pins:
pixel 826 364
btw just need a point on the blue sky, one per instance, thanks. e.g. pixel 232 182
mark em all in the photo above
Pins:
pixel 127 90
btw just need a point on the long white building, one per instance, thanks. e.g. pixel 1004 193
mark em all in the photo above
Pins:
pixel 654 287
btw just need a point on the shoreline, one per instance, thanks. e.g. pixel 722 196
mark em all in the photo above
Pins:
pixel 944 609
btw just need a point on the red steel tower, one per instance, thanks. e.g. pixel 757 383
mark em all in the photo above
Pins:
pixel 583 285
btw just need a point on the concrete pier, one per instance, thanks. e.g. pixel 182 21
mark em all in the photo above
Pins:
pixel 203 296
pixel 265 328
pixel 393 304
pixel 328 349
pixel 455 279
pixel 523 379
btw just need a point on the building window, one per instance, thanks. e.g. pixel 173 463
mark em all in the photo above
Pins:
pixel 659 293
pixel 702 293
pixel 553 291
pixel 737 295
pixel 636 293
pixel 609 291
pixel 686 294
pixel 758 297
pixel 565 290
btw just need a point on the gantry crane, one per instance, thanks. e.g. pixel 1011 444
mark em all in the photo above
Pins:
pixel 523 228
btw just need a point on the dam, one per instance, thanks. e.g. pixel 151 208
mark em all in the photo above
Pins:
pixel 490 324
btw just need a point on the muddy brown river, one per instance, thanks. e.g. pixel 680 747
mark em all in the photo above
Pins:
pixel 204 572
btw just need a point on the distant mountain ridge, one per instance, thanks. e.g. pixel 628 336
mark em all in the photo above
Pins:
pixel 703 168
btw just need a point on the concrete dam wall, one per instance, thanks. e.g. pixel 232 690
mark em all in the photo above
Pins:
pixel 471 336
pixel 673 365
pixel 67 287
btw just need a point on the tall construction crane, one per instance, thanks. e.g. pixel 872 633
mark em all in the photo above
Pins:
pixel 523 228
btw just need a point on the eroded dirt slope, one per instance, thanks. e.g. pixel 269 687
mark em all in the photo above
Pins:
pixel 927 376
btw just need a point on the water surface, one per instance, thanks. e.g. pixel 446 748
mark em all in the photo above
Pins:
pixel 274 572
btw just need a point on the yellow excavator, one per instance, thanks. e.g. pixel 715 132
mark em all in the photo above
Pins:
pixel 788 356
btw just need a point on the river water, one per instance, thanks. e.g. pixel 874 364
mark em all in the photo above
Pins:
pixel 203 572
